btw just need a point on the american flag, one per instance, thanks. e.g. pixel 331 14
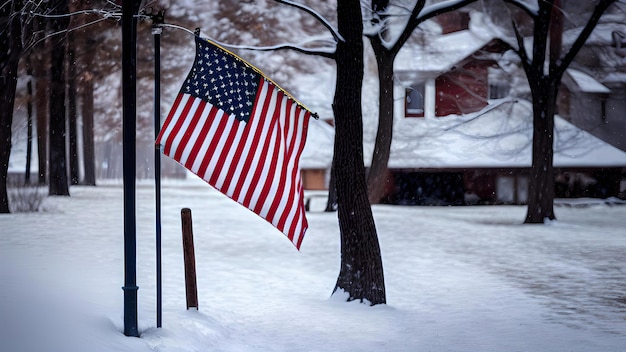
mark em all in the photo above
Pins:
pixel 241 133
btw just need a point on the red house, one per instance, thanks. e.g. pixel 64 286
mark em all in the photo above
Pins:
pixel 463 126
pixel 459 137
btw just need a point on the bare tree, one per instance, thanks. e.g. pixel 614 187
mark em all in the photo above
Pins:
pixel 547 17
pixel 11 41
pixel 72 106
pixel 386 49
pixel 361 273
pixel 58 183
pixel 40 58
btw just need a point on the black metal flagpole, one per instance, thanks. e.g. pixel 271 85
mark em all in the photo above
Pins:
pixel 157 20
pixel 130 9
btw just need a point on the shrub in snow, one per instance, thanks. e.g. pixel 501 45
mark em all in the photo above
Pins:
pixel 24 199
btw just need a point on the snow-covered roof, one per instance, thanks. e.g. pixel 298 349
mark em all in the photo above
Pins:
pixel 498 136
pixel 586 83
pixel 440 53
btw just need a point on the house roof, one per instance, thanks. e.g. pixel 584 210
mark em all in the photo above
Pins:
pixel 440 53
pixel 585 83
pixel 498 136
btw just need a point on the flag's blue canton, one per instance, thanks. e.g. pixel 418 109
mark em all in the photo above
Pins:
pixel 223 80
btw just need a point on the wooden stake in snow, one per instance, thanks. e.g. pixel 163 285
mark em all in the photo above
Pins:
pixel 191 286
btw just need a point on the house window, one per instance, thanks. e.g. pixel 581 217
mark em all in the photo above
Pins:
pixel 512 189
pixel 505 189
pixel 414 101
pixel 498 90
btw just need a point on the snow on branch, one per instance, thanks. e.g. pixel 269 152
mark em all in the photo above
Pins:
pixel 328 53
pixel 103 14
pixel 324 52
pixel 422 13
pixel 442 7
pixel 584 34
pixel 532 11
pixel 317 16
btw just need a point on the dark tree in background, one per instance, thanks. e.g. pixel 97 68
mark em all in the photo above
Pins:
pixel 544 86
pixel 11 44
pixel 361 272
pixel 58 182
pixel 72 106
pixel 40 59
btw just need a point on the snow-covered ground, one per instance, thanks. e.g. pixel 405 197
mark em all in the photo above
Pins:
pixel 457 278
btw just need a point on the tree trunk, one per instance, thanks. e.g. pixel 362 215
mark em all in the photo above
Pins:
pixel 89 155
pixel 377 177
pixel 544 90
pixel 541 183
pixel 86 45
pixel 331 203
pixel 361 273
pixel 11 41
pixel 29 126
pixel 41 69
pixel 58 158
pixel 41 115
pixel 72 108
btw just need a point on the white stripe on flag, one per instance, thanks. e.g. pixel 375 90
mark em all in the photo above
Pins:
pixel 195 134
pixel 260 135
pixel 165 133
pixel 184 127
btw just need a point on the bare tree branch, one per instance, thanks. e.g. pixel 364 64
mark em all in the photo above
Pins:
pixel 584 35
pixel 524 7
pixel 318 52
pixel 33 44
pixel 521 51
pixel 320 18
pixel 421 14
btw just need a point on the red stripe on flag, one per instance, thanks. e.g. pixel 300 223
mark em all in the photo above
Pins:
pixel 169 118
pixel 169 143
pixel 202 135
pixel 222 156
pixel 294 185
pixel 206 158
pixel 259 123
pixel 276 147
pixel 294 224
pixel 273 208
pixel 263 157
pixel 189 131
pixel 235 165
pixel 211 126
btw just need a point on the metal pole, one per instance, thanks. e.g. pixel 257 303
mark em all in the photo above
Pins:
pixel 156 31
pixel 130 9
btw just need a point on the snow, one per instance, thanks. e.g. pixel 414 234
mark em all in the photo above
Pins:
pixel 318 150
pixel 457 279
pixel 586 83
pixel 440 53
pixel 500 135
